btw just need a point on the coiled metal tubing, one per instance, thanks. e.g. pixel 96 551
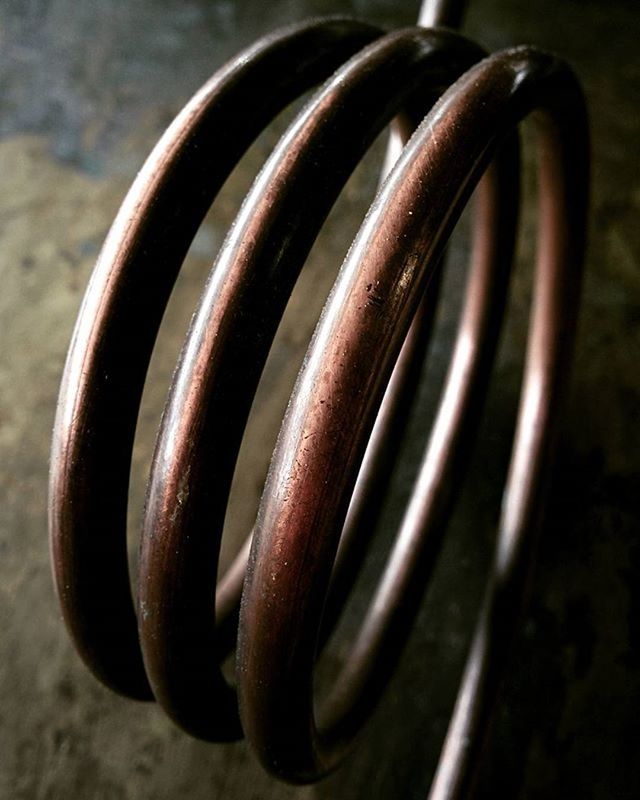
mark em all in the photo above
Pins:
pixel 333 456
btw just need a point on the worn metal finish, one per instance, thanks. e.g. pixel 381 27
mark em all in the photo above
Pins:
pixel 335 452
pixel 227 346
pixel 118 322
pixel 334 403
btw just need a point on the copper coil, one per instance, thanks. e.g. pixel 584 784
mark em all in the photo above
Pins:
pixel 333 458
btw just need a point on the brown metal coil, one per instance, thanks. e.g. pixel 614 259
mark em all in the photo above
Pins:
pixel 333 457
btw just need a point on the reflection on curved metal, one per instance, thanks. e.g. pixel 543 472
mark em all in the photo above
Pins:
pixel 332 407
pixel 120 315
pixel 223 357
pixel 335 451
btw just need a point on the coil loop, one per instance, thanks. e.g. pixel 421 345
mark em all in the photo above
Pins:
pixel 333 459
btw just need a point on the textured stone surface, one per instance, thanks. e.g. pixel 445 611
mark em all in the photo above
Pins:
pixel 85 90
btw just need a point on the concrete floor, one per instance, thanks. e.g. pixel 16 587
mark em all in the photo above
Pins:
pixel 86 88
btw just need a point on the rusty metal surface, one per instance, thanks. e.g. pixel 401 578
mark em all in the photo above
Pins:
pixel 394 260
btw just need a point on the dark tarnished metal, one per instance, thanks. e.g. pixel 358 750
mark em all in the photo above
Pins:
pixel 334 455
pixel 119 318
pixel 227 346
pixel 334 403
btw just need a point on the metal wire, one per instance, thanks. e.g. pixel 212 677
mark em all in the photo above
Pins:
pixel 334 456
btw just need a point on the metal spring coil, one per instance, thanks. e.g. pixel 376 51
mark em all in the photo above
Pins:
pixel 332 459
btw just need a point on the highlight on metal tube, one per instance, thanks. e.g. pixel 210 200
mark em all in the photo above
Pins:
pixel 119 318
pixel 334 459
pixel 228 343
pixel 334 402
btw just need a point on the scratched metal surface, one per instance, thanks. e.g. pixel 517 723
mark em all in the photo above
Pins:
pixel 85 90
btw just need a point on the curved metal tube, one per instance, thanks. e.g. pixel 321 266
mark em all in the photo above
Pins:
pixel 227 346
pixel 118 322
pixel 334 403
pixel 335 453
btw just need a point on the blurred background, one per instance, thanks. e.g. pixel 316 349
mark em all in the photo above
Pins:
pixel 86 88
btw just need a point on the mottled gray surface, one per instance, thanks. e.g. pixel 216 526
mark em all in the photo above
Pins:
pixel 85 90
